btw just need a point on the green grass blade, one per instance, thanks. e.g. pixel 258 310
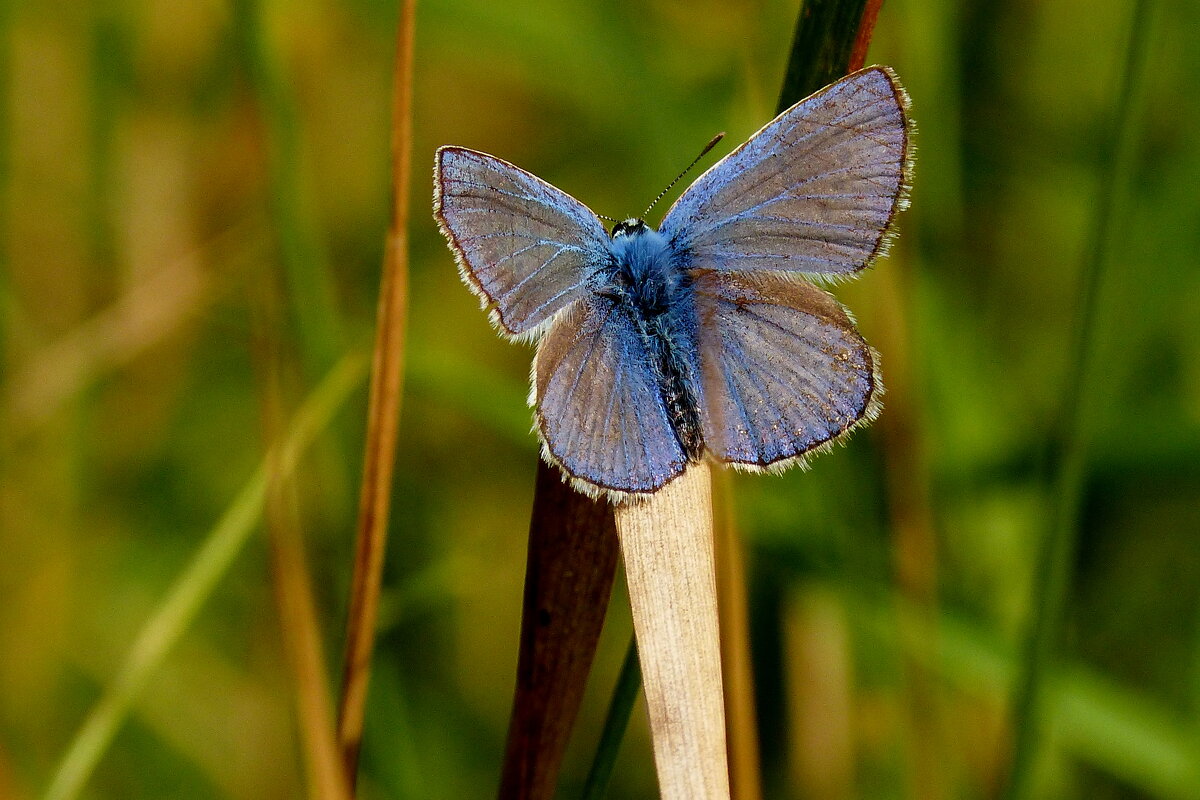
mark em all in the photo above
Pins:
pixel 1052 575
pixel 1105 724
pixel 193 587
pixel 629 684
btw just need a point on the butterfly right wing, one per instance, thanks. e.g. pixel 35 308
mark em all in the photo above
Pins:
pixel 600 411
pixel 783 369
pixel 815 191
pixel 527 248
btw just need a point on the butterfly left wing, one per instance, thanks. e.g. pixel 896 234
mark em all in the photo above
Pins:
pixel 783 369
pixel 600 410
pixel 815 191
pixel 527 248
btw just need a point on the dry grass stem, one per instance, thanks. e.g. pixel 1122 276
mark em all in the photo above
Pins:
pixel 293 598
pixel 302 643
pixel 667 544
pixel 383 416
pixel 289 573
pixel 822 701
pixel 862 40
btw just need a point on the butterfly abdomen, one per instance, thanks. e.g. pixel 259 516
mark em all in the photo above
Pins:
pixel 670 337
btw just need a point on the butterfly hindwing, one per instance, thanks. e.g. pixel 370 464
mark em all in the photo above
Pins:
pixel 783 369
pixel 600 409
pixel 526 247
pixel 814 191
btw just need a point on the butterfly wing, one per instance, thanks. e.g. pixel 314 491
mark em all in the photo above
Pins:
pixel 600 409
pixel 527 248
pixel 783 368
pixel 814 191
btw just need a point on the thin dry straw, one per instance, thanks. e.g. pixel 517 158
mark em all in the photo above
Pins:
pixel 737 668
pixel 302 644
pixel 911 533
pixel 192 588
pixel 292 584
pixel 1052 576
pixel 383 416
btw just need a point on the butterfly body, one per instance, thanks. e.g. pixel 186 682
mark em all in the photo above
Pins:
pixel 660 347
pixel 648 282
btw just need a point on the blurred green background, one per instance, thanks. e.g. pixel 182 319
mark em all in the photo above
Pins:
pixel 193 197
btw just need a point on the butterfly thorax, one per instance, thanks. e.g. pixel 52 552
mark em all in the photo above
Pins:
pixel 644 268
pixel 652 287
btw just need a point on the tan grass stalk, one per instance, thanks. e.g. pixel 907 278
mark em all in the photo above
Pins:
pixel 667 544
pixel 914 543
pixel 383 416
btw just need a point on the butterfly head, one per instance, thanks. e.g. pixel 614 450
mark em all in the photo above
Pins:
pixel 629 227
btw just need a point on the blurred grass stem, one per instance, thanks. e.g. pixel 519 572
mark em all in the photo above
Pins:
pixel 1052 576
pixel 291 581
pixel 383 416
pixel 302 644
pixel 737 668
pixel 193 587
pixel 7 300
pixel 305 262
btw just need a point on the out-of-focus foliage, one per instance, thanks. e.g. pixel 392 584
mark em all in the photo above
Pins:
pixel 170 178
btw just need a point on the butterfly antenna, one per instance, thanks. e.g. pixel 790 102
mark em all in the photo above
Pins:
pixel 607 218
pixel 695 161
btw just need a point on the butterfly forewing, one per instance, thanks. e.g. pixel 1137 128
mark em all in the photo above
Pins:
pixel 600 407
pixel 814 191
pixel 525 246
pixel 783 369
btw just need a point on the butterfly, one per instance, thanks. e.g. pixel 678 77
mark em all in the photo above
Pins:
pixel 661 347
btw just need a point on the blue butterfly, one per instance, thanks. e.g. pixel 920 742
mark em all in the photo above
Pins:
pixel 656 348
